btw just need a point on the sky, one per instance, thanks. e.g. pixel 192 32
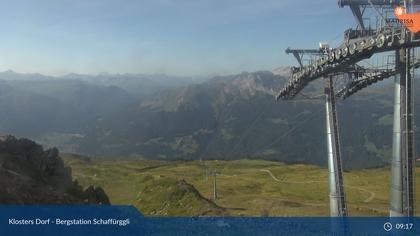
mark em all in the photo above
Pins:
pixel 175 37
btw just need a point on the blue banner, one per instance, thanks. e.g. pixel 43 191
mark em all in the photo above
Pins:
pixel 126 220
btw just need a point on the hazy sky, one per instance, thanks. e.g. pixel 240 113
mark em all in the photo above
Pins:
pixel 179 37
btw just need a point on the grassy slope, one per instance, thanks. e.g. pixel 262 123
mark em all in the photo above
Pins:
pixel 245 187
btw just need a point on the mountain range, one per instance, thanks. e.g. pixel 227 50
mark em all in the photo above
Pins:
pixel 163 117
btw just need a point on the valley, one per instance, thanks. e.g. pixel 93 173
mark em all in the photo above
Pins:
pixel 230 117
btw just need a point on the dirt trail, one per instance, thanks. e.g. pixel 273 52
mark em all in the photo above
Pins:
pixel 369 199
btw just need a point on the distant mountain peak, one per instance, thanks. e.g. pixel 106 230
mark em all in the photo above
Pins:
pixel 13 75
pixel 10 71
pixel 251 83
pixel 282 71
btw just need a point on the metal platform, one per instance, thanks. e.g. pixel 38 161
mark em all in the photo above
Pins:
pixel 359 45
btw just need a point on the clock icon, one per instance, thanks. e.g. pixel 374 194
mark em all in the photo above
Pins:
pixel 387 226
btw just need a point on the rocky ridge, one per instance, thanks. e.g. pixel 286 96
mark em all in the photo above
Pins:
pixel 31 175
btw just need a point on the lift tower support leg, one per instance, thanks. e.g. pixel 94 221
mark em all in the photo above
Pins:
pixel 338 206
pixel 402 197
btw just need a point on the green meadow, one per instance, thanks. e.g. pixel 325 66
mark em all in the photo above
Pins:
pixel 244 187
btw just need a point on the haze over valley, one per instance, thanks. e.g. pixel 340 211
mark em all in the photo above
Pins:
pixel 172 118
